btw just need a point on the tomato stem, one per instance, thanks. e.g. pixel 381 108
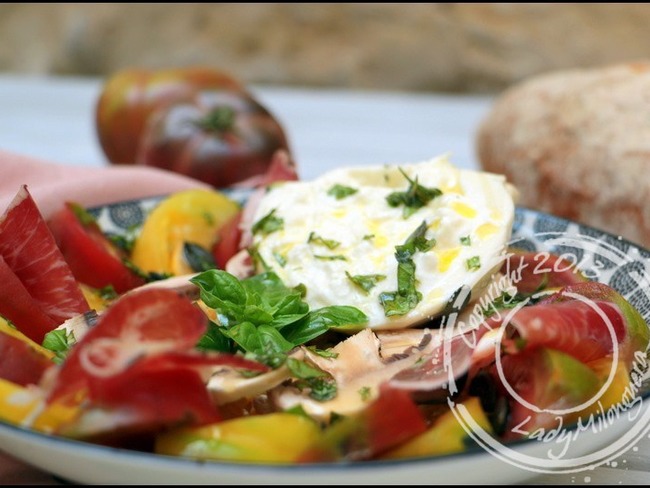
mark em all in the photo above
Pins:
pixel 221 119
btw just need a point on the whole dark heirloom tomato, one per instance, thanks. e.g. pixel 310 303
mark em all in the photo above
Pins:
pixel 129 97
pixel 220 137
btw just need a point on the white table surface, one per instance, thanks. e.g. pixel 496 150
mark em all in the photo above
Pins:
pixel 53 119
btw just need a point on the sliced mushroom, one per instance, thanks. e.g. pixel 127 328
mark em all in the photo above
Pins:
pixel 227 385
pixel 358 369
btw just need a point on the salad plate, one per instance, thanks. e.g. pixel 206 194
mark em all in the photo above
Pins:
pixel 603 257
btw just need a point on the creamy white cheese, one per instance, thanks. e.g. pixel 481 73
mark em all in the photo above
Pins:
pixel 321 241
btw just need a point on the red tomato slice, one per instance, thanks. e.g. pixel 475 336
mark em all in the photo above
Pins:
pixel 20 363
pixel 93 259
pixel 574 327
pixel 546 379
pixel 29 250
pixel 390 420
pixel 227 243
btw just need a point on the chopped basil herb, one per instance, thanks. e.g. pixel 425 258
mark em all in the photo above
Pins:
pixel 322 389
pixel 466 241
pixel 365 392
pixel 281 260
pixel 59 341
pixel 107 292
pixel 125 242
pixel 341 191
pixel 335 257
pixel 83 215
pixel 321 385
pixel 302 370
pixel 198 258
pixel 473 263
pixel 258 260
pixel 328 243
pixel 406 297
pixel 324 353
pixel 367 237
pixel 366 282
pixel 414 198
pixel 268 224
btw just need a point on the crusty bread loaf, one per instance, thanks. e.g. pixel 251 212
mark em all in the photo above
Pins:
pixel 577 144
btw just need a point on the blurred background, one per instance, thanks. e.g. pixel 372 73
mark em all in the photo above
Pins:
pixel 459 48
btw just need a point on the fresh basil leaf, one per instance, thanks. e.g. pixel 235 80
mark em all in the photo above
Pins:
pixel 465 241
pixel 258 340
pixel 198 258
pixel 214 340
pixel 59 341
pixel 219 287
pixel 321 320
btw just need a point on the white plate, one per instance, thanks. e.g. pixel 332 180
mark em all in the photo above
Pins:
pixel 88 463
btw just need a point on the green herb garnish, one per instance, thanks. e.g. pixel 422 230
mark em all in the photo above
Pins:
pixel 328 243
pixel 324 353
pixel 198 258
pixel 406 297
pixel 466 241
pixel 335 257
pixel 280 259
pixel 365 393
pixel 268 224
pixel 341 191
pixel 414 198
pixel 59 341
pixel 473 263
pixel 263 317
pixel 365 282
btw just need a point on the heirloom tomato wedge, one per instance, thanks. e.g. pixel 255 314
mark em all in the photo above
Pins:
pixel 92 257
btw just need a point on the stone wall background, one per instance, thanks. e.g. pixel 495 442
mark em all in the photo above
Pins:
pixel 416 47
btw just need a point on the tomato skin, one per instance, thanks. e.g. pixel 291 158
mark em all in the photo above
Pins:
pixel 93 259
pixel 130 96
pixel 218 137
pixel 393 418
pixel 227 243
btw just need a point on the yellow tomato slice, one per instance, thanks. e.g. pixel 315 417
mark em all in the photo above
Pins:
pixel 190 216
pixel 271 438
pixel 24 406
pixel 446 435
